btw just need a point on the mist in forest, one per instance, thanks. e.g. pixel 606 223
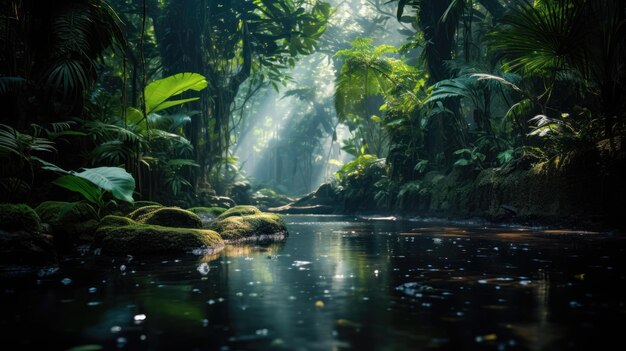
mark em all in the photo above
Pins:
pixel 292 138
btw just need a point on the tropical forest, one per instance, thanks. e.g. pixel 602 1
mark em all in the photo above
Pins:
pixel 312 174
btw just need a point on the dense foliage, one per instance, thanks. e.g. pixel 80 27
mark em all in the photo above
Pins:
pixel 169 91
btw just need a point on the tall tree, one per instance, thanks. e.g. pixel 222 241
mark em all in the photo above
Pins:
pixel 230 41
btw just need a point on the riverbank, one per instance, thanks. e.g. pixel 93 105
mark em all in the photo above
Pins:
pixel 578 190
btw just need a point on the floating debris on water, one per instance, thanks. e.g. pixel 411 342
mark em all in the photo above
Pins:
pixel 414 289
pixel 488 337
pixel 121 342
pixel 44 272
pixel 204 268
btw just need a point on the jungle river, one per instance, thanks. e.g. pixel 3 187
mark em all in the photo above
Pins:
pixel 336 283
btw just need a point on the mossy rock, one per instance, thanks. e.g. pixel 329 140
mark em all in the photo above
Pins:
pixel 261 225
pixel 213 212
pixel 115 221
pixel 143 239
pixel 69 221
pixel 19 217
pixel 240 211
pixel 127 207
pixel 142 211
pixel 60 212
pixel 138 204
pixel 26 248
pixel 173 217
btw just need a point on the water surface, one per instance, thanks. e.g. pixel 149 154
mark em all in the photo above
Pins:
pixel 336 283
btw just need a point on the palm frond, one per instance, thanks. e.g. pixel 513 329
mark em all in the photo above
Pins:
pixel 8 84
pixel 541 37
pixel 113 152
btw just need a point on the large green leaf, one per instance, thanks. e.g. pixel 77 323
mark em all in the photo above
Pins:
pixel 90 182
pixel 113 179
pixel 160 91
pixel 89 190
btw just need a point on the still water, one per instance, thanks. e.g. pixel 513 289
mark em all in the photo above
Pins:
pixel 336 283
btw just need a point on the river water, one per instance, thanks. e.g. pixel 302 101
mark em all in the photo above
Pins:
pixel 336 283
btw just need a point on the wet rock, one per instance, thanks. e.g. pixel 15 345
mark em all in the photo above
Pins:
pixel 241 193
pixel 19 217
pixel 315 209
pixel 143 239
pixel 171 217
pixel 26 248
pixel 260 227
pixel 323 201
pixel 268 198
pixel 221 201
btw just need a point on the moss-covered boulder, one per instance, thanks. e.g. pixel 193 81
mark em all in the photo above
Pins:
pixel 19 217
pixel 125 207
pixel 173 217
pixel 138 204
pixel 143 239
pixel 68 221
pixel 213 212
pixel 60 212
pixel 142 211
pixel 252 227
pixel 115 221
pixel 240 211
pixel 26 248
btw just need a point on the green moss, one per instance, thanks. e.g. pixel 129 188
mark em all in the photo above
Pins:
pixel 138 239
pixel 124 208
pixel 212 212
pixel 69 221
pixel 240 211
pixel 19 217
pixel 141 211
pixel 171 217
pixel 115 221
pixel 241 227
pixel 60 213
pixel 138 204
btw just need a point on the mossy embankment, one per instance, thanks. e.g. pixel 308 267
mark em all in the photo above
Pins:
pixel 156 229
pixel 577 189
pixel 583 188
pixel 149 230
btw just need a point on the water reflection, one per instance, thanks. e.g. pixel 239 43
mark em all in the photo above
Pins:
pixel 337 283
